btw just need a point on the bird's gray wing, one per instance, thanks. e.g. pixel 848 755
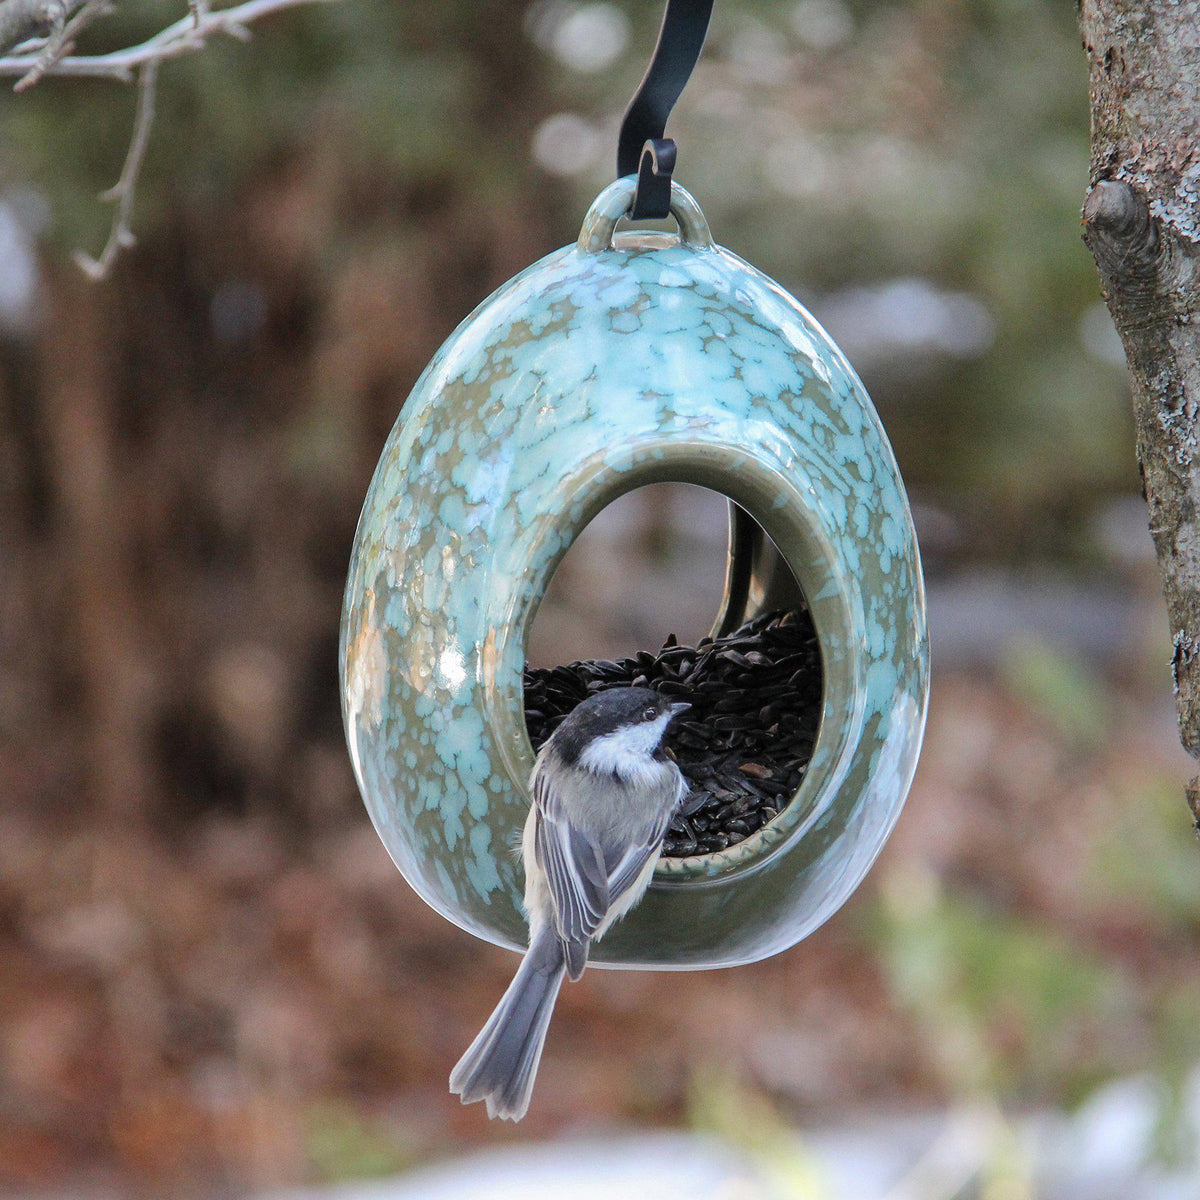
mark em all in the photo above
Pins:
pixel 585 876
pixel 574 867
pixel 625 870
pixel 625 864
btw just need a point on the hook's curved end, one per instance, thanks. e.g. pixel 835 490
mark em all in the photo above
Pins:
pixel 652 199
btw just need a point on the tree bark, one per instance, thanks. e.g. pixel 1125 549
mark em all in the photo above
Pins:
pixel 1141 220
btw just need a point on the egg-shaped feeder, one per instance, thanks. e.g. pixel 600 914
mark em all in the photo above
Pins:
pixel 628 359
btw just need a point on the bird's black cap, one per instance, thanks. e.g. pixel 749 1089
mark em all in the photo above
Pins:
pixel 606 712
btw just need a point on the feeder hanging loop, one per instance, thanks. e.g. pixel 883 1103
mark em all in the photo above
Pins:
pixel 643 150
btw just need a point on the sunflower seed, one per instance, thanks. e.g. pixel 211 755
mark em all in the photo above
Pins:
pixel 756 699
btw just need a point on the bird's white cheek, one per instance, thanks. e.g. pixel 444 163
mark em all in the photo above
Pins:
pixel 624 752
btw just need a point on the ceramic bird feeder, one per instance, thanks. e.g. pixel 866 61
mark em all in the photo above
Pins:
pixel 623 360
pixel 628 359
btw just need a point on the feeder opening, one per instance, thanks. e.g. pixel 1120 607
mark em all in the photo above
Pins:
pixel 648 571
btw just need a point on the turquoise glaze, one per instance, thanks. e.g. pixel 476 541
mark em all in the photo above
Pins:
pixel 616 362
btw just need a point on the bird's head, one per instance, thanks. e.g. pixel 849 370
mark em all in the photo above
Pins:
pixel 617 731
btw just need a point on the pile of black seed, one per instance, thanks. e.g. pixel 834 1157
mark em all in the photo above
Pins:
pixel 756 701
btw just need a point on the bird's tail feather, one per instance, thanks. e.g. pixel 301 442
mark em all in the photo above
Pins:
pixel 501 1063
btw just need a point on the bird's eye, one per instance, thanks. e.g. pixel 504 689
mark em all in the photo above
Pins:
pixel 648 714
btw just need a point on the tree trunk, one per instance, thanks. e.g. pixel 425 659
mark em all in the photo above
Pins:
pixel 1141 220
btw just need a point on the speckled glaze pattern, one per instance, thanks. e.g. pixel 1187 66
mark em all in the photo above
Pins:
pixel 607 365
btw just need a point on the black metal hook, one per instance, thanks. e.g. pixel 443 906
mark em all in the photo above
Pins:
pixel 643 149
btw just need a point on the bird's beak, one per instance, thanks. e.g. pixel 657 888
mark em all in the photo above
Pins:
pixel 678 707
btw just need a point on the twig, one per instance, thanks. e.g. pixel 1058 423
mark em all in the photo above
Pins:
pixel 50 54
pixel 185 36
pixel 53 49
pixel 25 20
pixel 120 236
pixel 61 40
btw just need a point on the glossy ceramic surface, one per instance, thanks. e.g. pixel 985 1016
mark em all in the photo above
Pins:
pixel 607 365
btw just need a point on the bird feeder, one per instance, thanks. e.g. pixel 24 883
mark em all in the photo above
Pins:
pixel 627 359
pixel 623 360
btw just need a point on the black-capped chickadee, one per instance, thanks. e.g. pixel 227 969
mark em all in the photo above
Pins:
pixel 604 790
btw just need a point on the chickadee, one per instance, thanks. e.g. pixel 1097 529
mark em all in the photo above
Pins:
pixel 604 790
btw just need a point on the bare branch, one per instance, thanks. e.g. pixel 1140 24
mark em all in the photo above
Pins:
pixel 55 46
pixel 62 40
pixel 185 36
pixel 121 194
pixel 21 20
pixel 43 32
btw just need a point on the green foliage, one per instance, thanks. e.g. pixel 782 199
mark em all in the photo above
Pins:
pixel 1148 862
pixel 724 1106
pixel 343 1144
pixel 1145 867
pixel 1063 689
pixel 1012 1008
pixel 1176 1052
pixel 1009 1006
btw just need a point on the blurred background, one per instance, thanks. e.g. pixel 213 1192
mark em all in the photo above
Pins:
pixel 213 982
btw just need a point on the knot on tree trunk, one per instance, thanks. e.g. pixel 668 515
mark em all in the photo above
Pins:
pixel 1116 213
pixel 1123 237
pixel 1147 271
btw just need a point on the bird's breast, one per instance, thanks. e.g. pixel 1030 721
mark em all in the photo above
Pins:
pixel 610 802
